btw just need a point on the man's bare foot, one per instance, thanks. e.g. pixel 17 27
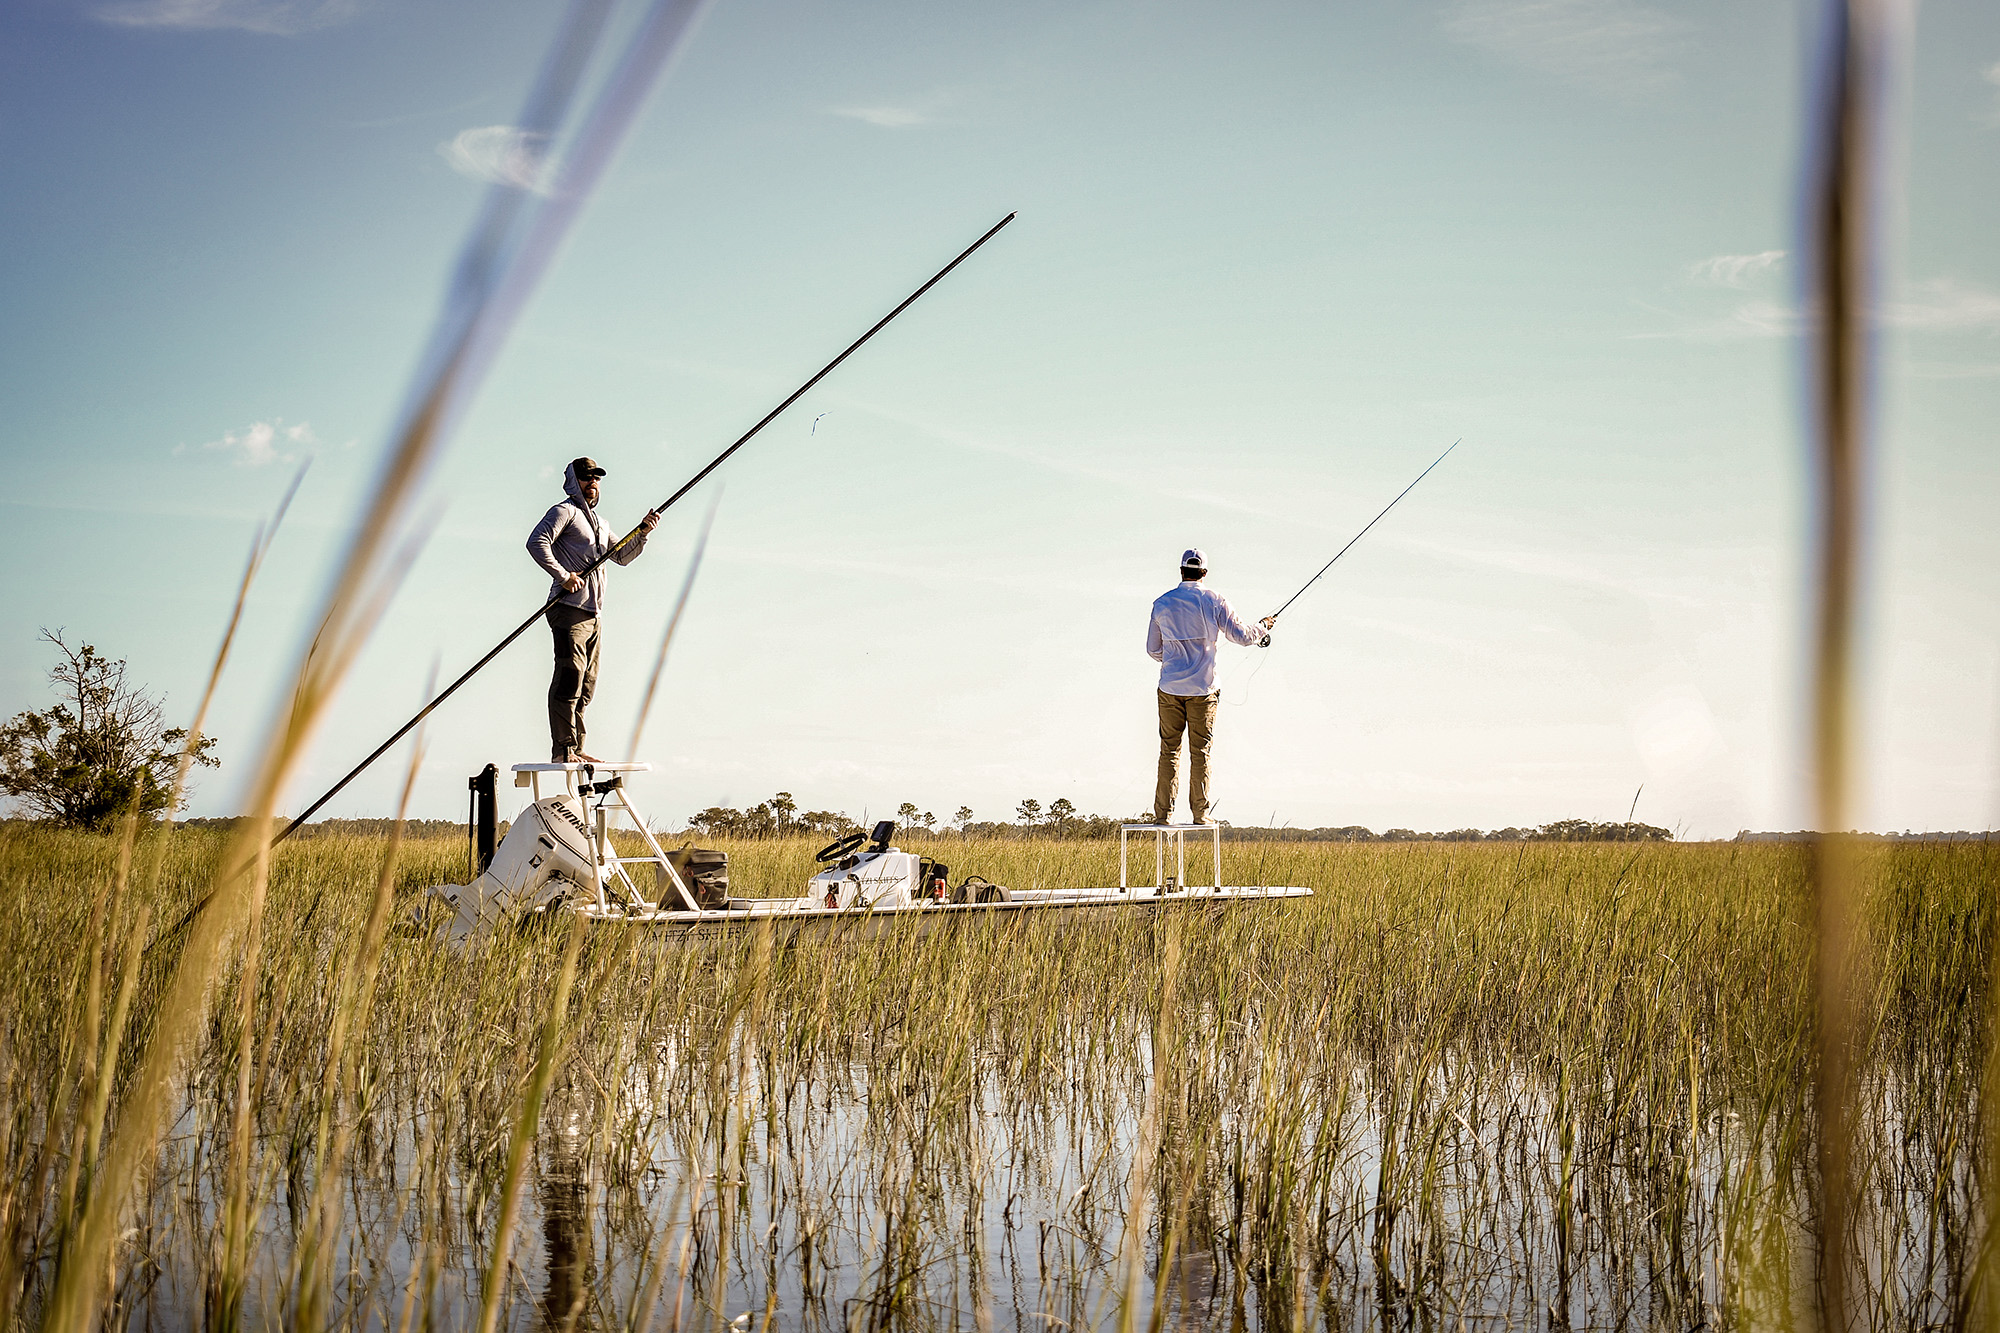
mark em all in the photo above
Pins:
pixel 585 757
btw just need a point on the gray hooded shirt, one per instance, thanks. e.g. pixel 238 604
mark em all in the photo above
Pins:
pixel 569 537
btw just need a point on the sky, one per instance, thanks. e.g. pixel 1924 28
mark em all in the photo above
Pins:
pixel 1270 260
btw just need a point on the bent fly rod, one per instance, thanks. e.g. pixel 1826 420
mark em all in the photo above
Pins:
pixel 669 503
pixel 1363 533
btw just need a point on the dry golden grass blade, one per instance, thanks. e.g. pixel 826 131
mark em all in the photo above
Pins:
pixel 260 546
pixel 351 1014
pixel 1843 226
pixel 237 1220
pixel 673 620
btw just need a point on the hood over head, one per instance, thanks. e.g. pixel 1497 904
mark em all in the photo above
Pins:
pixel 572 487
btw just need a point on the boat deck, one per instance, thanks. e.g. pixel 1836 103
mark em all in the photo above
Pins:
pixel 797 913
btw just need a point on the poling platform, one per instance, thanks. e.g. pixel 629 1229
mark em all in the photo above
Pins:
pixel 558 856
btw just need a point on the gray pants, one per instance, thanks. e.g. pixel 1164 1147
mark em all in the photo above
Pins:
pixel 575 677
pixel 1194 714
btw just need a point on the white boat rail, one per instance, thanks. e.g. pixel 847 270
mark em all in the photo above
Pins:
pixel 1178 833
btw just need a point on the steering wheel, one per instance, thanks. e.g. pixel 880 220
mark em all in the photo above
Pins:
pixel 840 847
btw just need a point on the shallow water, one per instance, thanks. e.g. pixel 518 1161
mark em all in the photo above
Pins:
pixel 1416 1198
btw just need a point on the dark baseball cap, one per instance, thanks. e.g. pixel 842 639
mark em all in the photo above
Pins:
pixel 585 467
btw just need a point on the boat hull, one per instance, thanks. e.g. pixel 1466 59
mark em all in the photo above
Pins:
pixel 792 918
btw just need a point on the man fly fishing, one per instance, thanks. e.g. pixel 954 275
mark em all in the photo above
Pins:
pixel 573 537
pixel 1186 622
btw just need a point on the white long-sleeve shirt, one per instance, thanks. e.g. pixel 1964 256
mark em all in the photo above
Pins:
pixel 1181 637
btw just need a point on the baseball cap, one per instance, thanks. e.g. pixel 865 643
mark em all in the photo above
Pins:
pixel 585 467
pixel 1192 558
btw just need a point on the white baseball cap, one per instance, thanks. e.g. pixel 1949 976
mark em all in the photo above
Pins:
pixel 1192 558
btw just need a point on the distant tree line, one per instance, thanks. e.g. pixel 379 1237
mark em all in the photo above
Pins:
pixel 780 817
pixel 1563 830
pixel 776 818
pixel 346 828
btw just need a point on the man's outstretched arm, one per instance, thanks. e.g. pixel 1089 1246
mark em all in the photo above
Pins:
pixel 626 552
pixel 1232 626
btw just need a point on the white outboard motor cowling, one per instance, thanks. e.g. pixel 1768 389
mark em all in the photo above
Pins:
pixel 546 857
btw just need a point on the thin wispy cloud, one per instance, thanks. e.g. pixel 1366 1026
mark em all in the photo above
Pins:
pixel 1945 305
pixel 263 442
pixel 281 18
pixel 1735 270
pixel 1606 46
pixel 1992 75
pixel 1750 319
pixel 1942 306
pixel 883 117
pixel 500 154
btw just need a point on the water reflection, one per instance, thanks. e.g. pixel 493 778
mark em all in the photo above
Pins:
pixel 562 1190
pixel 696 1182
pixel 1405 1202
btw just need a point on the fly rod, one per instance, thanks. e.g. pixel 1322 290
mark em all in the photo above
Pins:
pixel 715 463
pixel 1359 535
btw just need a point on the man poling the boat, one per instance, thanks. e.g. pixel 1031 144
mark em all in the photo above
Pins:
pixel 1181 637
pixel 572 543
pixel 651 517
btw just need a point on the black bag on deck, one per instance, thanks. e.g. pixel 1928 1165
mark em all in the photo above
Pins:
pixel 706 874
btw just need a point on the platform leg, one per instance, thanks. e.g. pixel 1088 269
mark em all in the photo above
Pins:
pixel 597 870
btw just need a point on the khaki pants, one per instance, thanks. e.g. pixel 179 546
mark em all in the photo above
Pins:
pixel 1194 714
pixel 574 680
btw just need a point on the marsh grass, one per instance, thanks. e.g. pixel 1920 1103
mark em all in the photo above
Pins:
pixel 1563 1084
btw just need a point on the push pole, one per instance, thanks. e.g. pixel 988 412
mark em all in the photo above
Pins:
pixel 1363 533
pixel 715 463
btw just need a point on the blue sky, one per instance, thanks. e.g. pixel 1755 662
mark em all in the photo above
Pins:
pixel 1270 260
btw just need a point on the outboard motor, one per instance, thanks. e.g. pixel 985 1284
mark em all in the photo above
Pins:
pixel 546 858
